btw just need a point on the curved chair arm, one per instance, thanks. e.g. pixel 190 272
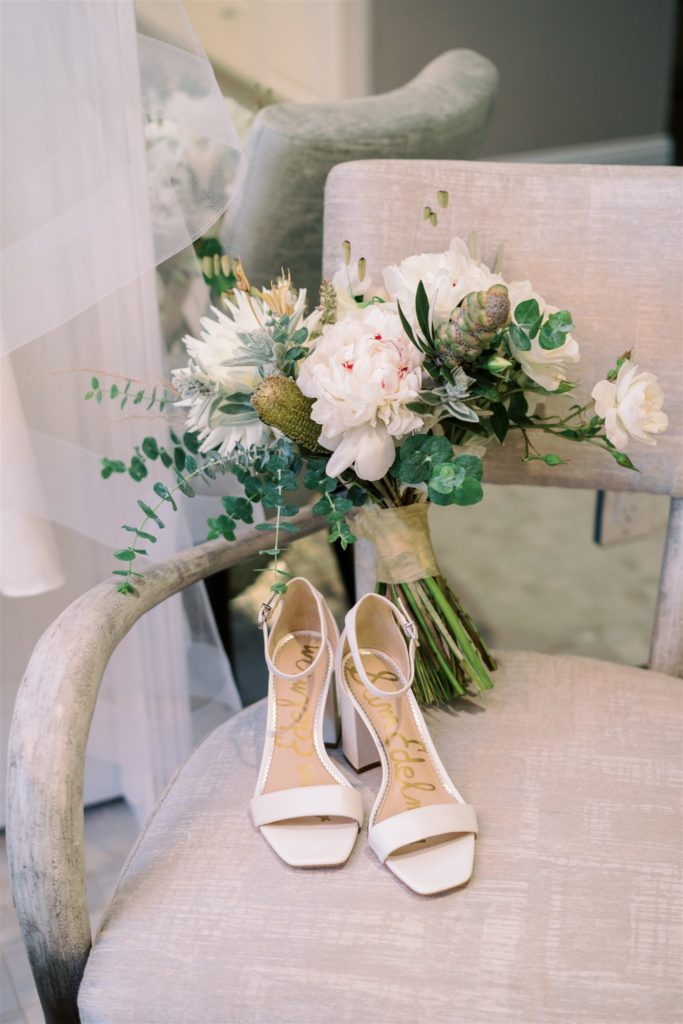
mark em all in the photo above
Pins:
pixel 50 727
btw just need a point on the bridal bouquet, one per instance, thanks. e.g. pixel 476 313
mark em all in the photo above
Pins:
pixel 381 401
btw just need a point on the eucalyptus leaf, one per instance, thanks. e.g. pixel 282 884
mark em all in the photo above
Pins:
pixel 125 555
pixel 519 339
pixel 151 514
pixel 554 330
pixel 419 454
pixel 150 447
pixel 528 315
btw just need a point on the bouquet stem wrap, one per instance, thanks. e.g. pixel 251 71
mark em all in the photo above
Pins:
pixel 452 654
pixel 402 539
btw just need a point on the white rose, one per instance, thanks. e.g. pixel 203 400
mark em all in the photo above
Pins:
pixel 362 373
pixel 631 406
pixel 546 367
pixel 447 276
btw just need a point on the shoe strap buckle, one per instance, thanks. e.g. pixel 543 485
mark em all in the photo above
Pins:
pixel 410 630
pixel 264 613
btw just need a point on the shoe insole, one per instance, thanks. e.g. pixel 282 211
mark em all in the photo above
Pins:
pixel 295 760
pixel 413 780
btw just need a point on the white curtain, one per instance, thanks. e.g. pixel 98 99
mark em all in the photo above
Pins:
pixel 117 151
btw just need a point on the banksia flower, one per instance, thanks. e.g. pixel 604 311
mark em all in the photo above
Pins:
pixel 279 403
pixel 474 324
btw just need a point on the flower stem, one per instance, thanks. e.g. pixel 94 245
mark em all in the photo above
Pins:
pixel 472 664
pixel 427 633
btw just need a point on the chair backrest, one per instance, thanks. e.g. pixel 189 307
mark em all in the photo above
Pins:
pixel 604 242
pixel 278 219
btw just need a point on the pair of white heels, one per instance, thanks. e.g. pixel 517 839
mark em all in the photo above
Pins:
pixel 308 812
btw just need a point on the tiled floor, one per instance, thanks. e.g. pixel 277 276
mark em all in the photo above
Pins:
pixel 110 832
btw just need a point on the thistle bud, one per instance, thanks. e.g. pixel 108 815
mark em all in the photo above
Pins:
pixel 362 267
pixel 475 323
pixel 346 248
pixel 498 364
pixel 279 403
pixel 442 197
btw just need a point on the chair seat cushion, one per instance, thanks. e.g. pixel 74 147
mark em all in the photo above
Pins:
pixel 571 915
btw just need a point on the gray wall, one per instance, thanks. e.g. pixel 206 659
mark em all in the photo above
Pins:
pixel 571 71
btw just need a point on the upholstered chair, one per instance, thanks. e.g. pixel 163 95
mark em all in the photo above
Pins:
pixel 572 763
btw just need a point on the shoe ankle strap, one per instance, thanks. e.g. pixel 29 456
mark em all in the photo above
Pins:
pixel 409 630
pixel 264 614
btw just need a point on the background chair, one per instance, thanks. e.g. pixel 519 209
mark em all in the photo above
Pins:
pixel 571 762
pixel 278 220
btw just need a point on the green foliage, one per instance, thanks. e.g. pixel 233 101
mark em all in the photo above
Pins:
pixel 419 454
pixel 217 269
pixel 500 421
pixel 518 338
pixel 422 311
pixel 137 468
pixel 622 459
pixel 550 459
pixel 518 408
pixel 138 397
pixel 457 482
pixel 150 447
pixel 554 330
pixel 450 480
pixel 529 317
pixel 110 466
pixel 163 492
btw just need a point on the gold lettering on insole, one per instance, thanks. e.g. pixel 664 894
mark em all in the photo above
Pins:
pixel 295 761
pixel 413 781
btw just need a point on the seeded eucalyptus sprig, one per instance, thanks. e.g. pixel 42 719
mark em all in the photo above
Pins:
pixel 129 392
pixel 184 477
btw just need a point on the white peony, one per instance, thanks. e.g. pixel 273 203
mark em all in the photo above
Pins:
pixel 362 373
pixel 631 406
pixel 447 276
pixel 546 367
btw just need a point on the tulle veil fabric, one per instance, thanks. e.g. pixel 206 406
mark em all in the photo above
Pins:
pixel 117 152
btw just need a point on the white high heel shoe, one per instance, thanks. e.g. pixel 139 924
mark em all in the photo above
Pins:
pixel 303 806
pixel 420 826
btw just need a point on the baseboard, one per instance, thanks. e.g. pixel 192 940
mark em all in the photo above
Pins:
pixel 643 149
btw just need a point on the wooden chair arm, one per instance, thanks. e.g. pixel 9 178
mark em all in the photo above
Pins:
pixel 48 738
